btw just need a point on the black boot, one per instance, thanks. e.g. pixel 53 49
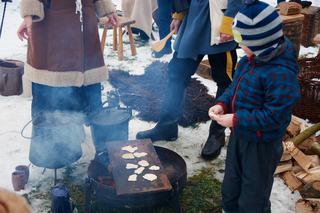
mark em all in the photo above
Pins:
pixel 214 143
pixel 167 131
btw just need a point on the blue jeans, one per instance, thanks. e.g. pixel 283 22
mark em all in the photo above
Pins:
pixel 164 19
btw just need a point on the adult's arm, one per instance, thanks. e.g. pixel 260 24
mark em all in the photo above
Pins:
pixel 231 11
pixel 104 7
pixel 33 8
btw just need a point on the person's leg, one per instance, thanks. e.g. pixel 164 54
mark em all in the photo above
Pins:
pixel 222 69
pixel 179 74
pixel 258 163
pixel 164 21
pixel 143 36
pixel 231 185
pixel 50 99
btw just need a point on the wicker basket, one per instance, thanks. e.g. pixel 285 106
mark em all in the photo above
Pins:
pixel 308 106
pixel 309 64
pixel 311 25
pixel 292 28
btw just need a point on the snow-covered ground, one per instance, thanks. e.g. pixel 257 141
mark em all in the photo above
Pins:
pixel 15 113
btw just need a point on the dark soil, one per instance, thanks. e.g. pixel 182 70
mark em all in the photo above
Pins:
pixel 144 93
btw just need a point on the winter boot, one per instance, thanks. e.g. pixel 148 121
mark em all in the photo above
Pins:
pixel 162 131
pixel 214 143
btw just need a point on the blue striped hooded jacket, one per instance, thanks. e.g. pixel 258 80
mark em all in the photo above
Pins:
pixel 262 95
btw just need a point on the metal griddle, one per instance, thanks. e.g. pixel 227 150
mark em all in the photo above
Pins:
pixel 121 174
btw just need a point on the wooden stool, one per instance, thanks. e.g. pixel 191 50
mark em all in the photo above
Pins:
pixel 118 32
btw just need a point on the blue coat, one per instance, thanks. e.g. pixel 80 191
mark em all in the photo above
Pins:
pixel 262 95
pixel 194 36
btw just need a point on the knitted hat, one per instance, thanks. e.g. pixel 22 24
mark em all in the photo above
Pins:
pixel 260 26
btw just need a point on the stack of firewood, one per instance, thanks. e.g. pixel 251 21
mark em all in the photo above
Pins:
pixel 300 164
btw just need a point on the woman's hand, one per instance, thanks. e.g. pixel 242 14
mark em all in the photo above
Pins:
pixel 175 25
pixel 113 19
pixel 24 31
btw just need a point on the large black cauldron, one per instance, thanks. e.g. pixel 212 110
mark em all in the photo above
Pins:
pixel 100 184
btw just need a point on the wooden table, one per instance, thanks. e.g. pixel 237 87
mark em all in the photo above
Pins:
pixel 121 174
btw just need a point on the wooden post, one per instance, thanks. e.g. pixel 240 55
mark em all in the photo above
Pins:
pixel 104 38
pixel 120 48
pixel 115 39
pixel 132 45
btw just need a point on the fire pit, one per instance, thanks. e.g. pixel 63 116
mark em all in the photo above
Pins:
pixel 100 185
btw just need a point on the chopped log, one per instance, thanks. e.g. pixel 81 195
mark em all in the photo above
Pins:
pixel 291 181
pixel 307 144
pixel 296 168
pixel 311 190
pixel 311 176
pixel 283 167
pixel 294 127
pixel 306 134
pixel 308 206
pixel 315 149
pixel 315 160
pixel 299 156
pixel 285 156
pixel 302 174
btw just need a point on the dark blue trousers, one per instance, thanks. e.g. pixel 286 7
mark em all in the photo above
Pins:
pixel 85 99
pixel 248 176
pixel 164 19
pixel 180 71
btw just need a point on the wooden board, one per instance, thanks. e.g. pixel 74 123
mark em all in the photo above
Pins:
pixel 121 174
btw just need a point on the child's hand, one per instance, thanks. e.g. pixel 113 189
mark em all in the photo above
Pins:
pixel 24 31
pixel 215 111
pixel 225 120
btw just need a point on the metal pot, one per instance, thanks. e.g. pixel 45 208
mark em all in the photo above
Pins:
pixel 11 72
pixel 56 139
pixel 109 124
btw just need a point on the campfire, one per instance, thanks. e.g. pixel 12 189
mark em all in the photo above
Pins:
pixel 160 181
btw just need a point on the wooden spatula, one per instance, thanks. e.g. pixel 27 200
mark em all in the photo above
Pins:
pixel 159 45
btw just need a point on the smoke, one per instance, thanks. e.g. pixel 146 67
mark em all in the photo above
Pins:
pixel 56 139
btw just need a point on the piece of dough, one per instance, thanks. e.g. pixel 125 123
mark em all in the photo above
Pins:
pixel 133 178
pixel 131 166
pixel 154 168
pixel 139 170
pixel 129 148
pixel 150 177
pixel 143 163
pixel 128 156
pixel 140 154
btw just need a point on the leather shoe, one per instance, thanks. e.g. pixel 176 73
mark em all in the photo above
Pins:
pixel 162 131
pixel 213 146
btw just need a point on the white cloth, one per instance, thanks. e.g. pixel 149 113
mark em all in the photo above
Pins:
pixel 216 14
pixel 141 11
